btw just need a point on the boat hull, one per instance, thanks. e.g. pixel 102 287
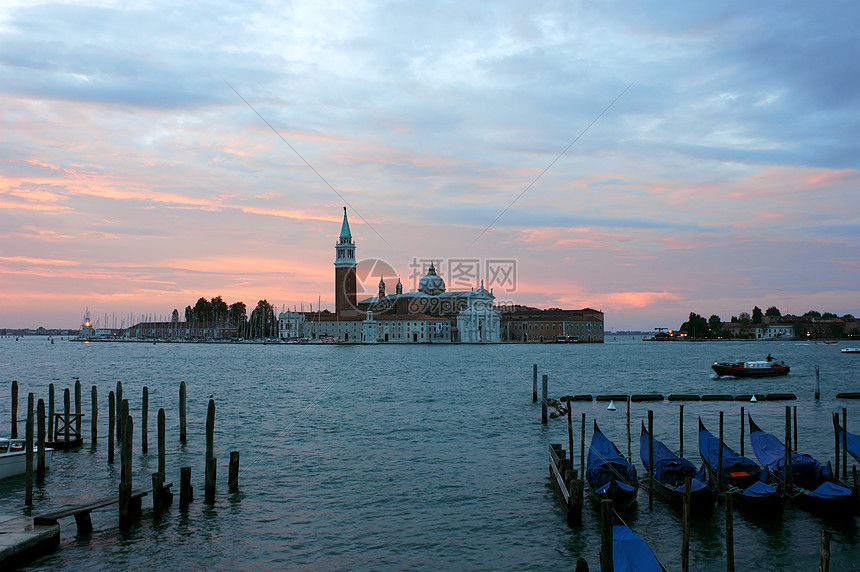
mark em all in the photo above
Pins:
pixel 14 464
pixel 735 371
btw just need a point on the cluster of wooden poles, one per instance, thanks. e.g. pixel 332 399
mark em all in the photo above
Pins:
pixel 65 432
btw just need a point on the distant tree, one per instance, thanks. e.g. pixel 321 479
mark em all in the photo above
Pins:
pixel 757 316
pixel 715 324
pixel 203 310
pixel 848 317
pixel 744 318
pixel 237 314
pixel 799 329
pixel 773 311
pixel 837 331
pixel 174 317
pixel 189 313
pixel 734 319
pixel 829 316
pixel 855 332
pixel 696 327
pixel 812 314
pixel 262 322
pixel 219 310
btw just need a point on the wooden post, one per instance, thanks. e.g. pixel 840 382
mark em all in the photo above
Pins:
pixel 743 429
pixel 51 413
pixel 606 562
pixel 581 565
pixel 14 409
pixel 787 467
pixel 40 441
pixel 824 561
pixel 569 430
pixel 119 429
pixel 233 479
pixel 182 432
pixel 582 449
pixel 210 455
pixel 650 458
pixel 817 384
pixel 125 502
pixel 543 417
pixel 681 429
pixel 186 491
pixel 157 494
pixel 629 453
pixel 794 424
pixel 720 458
pixel 78 407
pixel 534 383
pixel 94 420
pixel 111 423
pixel 730 536
pixel 28 461
pixel 836 440
pixel 122 407
pixel 685 535
pixel 144 420
pixel 844 442
pixel 856 486
pixel 162 453
pixel 67 405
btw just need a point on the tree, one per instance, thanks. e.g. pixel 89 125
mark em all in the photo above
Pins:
pixel 237 314
pixel 734 319
pixel 263 322
pixel 189 313
pixel 203 310
pixel 837 331
pixel 812 314
pixel 744 318
pixel 829 316
pixel 715 324
pixel 219 310
pixel 757 315
pixel 773 311
pixel 799 329
pixel 174 317
pixel 696 327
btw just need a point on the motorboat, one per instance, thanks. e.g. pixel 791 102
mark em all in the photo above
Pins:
pixel 850 351
pixel 761 368
pixel 13 457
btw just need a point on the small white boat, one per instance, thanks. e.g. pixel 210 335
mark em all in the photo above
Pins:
pixel 851 351
pixel 13 457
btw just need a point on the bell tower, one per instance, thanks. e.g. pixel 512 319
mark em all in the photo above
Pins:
pixel 344 271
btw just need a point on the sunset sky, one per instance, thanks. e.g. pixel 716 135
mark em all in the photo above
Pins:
pixel 134 179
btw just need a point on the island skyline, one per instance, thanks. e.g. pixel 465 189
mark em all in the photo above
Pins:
pixel 646 161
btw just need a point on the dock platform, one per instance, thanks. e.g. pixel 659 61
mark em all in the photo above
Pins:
pixel 21 540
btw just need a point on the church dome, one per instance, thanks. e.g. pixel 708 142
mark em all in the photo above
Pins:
pixel 431 284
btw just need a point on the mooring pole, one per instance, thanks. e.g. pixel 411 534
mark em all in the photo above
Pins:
pixel 182 433
pixel 543 416
pixel 606 562
pixel 111 425
pixel 51 435
pixel 730 535
pixel 720 458
pixel 650 458
pixel 824 559
pixel 836 440
pixel 144 420
pixel 629 449
pixel 210 454
pixel 685 535
pixel 40 441
pixel 534 383
pixel 681 429
pixel 28 461
pixel 78 408
pixel 844 442
pixel 794 415
pixel 94 420
pixel 14 409
pixel 787 462
pixel 569 430
pixel 743 428
pixel 817 384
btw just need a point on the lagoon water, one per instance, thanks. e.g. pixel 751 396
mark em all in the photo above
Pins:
pixel 424 457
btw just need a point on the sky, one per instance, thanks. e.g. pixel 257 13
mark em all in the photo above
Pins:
pixel 647 159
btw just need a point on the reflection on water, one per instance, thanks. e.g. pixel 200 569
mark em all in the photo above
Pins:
pixel 389 457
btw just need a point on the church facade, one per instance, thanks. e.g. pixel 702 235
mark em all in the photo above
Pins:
pixel 432 314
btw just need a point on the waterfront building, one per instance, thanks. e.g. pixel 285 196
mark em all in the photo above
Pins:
pixel 525 324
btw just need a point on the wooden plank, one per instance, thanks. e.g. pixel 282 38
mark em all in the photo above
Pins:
pixel 52 517
pixel 559 485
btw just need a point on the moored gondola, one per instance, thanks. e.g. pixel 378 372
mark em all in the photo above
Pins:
pixel 809 484
pixel 852 442
pixel 609 474
pixel 740 477
pixel 670 472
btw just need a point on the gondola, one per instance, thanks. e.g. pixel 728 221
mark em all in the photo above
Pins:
pixel 669 474
pixel 609 474
pixel 742 477
pixel 811 485
pixel 852 442
pixel 630 552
